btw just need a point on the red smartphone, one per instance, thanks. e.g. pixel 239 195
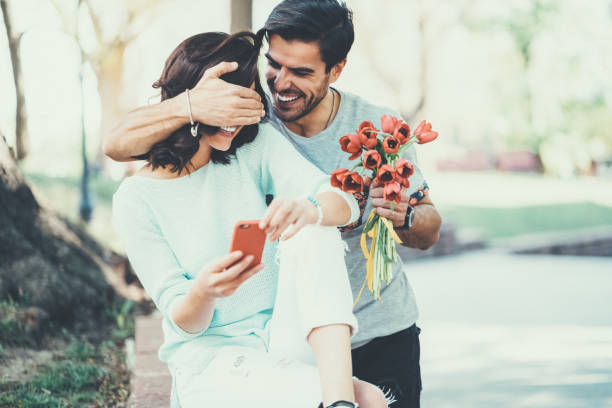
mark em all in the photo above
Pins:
pixel 249 239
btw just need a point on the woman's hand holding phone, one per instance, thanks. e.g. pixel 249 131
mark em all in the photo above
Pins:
pixel 283 212
pixel 220 278
pixel 224 275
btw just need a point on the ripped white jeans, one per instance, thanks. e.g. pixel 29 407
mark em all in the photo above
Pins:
pixel 313 291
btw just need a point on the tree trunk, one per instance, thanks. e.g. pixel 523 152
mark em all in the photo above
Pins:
pixel 21 129
pixel 109 73
pixel 242 12
pixel 45 262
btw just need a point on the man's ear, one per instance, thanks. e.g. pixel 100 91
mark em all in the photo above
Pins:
pixel 336 70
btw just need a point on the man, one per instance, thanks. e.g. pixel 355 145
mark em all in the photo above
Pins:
pixel 308 44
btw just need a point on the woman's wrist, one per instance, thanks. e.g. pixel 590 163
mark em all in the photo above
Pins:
pixel 193 313
pixel 319 210
pixel 200 293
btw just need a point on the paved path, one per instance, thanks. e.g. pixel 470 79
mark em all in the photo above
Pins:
pixel 150 381
pixel 515 331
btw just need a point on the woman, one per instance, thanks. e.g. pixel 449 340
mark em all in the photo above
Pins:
pixel 223 345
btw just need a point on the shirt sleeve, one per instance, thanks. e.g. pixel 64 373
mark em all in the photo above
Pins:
pixel 286 173
pixel 153 260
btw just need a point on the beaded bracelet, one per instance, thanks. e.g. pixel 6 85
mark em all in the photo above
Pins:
pixel 319 209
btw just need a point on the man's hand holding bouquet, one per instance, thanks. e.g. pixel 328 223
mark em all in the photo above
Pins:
pixel 380 152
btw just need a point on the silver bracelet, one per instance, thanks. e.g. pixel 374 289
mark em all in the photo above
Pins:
pixel 194 126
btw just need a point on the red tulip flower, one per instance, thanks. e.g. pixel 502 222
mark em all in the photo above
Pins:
pixel 402 132
pixel 388 123
pixel 404 169
pixel 424 134
pixel 393 192
pixel 352 182
pixel 351 144
pixel 371 159
pixel 366 124
pixel 386 174
pixel 391 145
pixel 367 135
pixel 337 177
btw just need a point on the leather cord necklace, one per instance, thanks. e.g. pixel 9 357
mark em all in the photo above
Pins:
pixel 331 112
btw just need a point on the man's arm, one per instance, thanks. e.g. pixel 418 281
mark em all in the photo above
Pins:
pixel 425 230
pixel 213 102
pixel 144 127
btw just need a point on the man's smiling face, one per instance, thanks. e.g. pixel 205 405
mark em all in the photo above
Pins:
pixel 296 77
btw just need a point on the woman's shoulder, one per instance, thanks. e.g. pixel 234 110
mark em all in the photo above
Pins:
pixel 131 189
pixel 267 136
pixel 266 133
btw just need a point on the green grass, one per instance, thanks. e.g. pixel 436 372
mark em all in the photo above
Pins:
pixel 81 351
pixel 84 376
pixel 121 313
pixel 81 373
pixel 12 330
pixel 59 384
pixel 68 377
pixel 509 222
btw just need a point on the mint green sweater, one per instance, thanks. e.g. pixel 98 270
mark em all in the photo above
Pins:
pixel 172 228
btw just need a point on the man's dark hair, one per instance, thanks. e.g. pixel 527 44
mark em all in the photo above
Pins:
pixel 183 69
pixel 327 22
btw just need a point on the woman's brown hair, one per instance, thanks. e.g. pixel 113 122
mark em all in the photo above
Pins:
pixel 183 70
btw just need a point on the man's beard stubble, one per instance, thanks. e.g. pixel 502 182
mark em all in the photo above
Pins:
pixel 309 104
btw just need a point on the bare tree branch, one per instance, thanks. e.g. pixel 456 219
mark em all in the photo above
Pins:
pixel 95 22
pixel 21 124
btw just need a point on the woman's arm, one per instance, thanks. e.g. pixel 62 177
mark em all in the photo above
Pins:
pixel 284 212
pixel 187 304
pixel 335 207
pixel 222 277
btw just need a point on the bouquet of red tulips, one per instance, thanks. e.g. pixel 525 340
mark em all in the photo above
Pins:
pixel 380 157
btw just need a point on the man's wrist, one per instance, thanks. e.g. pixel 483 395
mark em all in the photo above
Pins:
pixel 408 220
pixel 179 107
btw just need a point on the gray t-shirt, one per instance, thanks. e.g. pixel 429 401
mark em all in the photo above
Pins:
pixel 396 309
